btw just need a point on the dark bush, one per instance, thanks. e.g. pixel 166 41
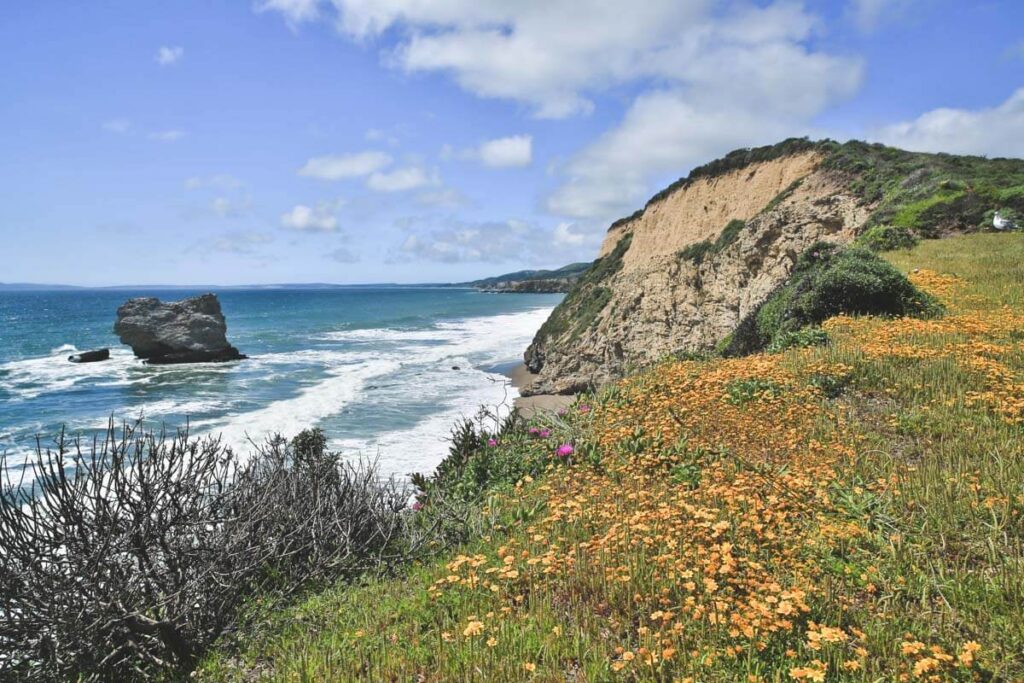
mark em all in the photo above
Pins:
pixel 826 282
pixel 126 559
pixel 887 238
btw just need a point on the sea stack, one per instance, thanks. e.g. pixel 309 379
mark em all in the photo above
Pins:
pixel 192 330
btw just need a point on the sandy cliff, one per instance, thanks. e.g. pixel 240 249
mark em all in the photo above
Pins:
pixel 681 273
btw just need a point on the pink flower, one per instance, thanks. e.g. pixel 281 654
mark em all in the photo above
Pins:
pixel 584 408
pixel 564 450
pixel 492 442
pixel 417 506
pixel 545 433
pixel 534 431
pixel 562 412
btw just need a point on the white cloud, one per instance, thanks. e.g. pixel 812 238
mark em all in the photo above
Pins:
pixel 708 76
pixel 547 55
pixel 167 135
pixel 564 236
pixel 997 131
pixel 166 56
pixel 119 126
pixel 295 12
pixel 304 218
pixel 340 166
pixel 516 150
pixel 401 179
pixel 748 80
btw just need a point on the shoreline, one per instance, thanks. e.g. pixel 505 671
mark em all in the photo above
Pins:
pixel 519 376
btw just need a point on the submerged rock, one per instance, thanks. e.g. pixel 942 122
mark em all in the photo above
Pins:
pixel 192 330
pixel 90 356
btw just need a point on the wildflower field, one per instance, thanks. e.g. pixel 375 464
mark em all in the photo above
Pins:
pixel 852 511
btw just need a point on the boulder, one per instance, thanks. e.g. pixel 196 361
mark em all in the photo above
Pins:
pixel 192 330
pixel 90 356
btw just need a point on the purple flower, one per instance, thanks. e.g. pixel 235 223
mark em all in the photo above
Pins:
pixel 564 450
pixel 545 433
pixel 584 409
pixel 492 442
pixel 534 430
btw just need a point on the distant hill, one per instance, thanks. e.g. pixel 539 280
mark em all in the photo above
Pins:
pixel 533 281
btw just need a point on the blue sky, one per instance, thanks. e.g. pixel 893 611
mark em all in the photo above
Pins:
pixel 229 142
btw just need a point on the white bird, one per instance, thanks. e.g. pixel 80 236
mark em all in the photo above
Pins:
pixel 1002 223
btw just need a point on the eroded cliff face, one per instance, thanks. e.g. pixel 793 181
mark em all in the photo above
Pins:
pixel 680 275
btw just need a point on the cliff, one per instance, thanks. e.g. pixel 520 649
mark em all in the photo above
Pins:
pixel 681 273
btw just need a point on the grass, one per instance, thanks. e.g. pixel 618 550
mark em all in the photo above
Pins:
pixel 849 512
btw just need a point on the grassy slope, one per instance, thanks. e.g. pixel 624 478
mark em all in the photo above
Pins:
pixel 852 512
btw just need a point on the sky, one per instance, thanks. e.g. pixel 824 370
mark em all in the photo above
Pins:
pixel 355 141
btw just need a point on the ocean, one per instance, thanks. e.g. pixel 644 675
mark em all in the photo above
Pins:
pixel 384 371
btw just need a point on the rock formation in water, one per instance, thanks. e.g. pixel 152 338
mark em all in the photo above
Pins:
pixel 681 273
pixel 90 356
pixel 192 330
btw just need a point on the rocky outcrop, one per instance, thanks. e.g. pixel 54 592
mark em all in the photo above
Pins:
pixel 90 356
pixel 680 274
pixel 192 330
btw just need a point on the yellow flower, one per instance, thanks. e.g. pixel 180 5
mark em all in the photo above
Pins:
pixel 529 666
pixel 492 641
pixel 473 628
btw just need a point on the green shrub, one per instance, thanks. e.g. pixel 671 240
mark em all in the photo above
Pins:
pixel 826 282
pixel 695 252
pixel 887 238
pixel 743 391
pixel 698 251
pixel 803 338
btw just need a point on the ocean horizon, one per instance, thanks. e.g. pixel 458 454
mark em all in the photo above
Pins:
pixel 384 370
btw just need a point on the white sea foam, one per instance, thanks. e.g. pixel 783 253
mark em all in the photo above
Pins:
pixel 33 377
pixel 458 395
pixel 289 416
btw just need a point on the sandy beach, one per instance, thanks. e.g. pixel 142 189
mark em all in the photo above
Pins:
pixel 530 405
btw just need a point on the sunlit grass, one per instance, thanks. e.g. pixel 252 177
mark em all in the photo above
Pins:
pixel 848 512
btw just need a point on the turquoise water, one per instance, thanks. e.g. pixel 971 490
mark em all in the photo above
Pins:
pixel 372 366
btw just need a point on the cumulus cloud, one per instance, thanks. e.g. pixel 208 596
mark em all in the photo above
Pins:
pixel 549 56
pixel 166 56
pixel 745 80
pixel 997 131
pixel 304 218
pixel 341 166
pixel 565 236
pixel 516 150
pixel 401 179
